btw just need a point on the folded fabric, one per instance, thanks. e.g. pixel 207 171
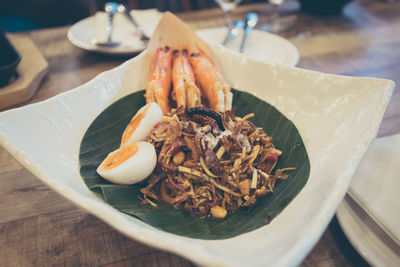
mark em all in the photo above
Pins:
pixel 376 184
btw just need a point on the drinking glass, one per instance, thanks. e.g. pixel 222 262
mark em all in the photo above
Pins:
pixel 227 6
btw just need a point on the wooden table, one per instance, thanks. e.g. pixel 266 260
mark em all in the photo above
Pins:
pixel 39 227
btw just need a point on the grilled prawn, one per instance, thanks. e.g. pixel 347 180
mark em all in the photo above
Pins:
pixel 212 84
pixel 159 86
pixel 186 93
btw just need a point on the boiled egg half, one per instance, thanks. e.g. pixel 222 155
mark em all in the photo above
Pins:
pixel 141 124
pixel 129 164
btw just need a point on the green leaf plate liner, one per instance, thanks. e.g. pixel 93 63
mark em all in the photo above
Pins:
pixel 104 135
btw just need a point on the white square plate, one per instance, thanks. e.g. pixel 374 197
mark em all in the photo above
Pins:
pixel 337 117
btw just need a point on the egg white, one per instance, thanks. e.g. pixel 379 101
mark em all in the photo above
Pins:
pixel 152 116
pixel 135 169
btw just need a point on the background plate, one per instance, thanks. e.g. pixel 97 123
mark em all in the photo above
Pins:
pixel 260 45
pixel 366 236
pixel 83 33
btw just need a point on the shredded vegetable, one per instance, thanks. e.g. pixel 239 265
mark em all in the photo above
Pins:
pixel 211 164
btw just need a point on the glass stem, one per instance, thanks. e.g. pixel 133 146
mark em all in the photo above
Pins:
pixel 228 18
pixel 275 19
pixel 275 13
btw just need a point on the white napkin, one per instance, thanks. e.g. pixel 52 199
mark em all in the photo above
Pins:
pixel 123 30
pixel 376 184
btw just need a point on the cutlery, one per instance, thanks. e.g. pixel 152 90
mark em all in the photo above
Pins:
pixel 358 201
pixel 111 9
pixel 251 21
pixel 233 31
pixel 122 9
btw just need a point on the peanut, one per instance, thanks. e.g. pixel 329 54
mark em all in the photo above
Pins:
pixel 244 187
pixel 218 212
pixel 261 191
pixel 179 158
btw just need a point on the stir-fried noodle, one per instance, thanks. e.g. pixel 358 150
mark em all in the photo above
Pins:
pixel 211 163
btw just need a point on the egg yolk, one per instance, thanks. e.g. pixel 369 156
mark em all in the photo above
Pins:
pixel 132 126
pixel 119 157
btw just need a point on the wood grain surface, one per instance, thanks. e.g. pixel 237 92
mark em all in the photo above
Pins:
pixel 40 228
pixel 32 68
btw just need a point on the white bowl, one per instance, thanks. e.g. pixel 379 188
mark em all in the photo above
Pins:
pixel 337 117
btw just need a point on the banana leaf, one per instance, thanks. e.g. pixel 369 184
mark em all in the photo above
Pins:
pixel 104 135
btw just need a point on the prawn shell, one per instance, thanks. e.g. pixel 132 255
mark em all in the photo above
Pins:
pixel 181 36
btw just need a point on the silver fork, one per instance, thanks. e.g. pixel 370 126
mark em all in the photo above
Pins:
pixel 122 9
pixel 111 9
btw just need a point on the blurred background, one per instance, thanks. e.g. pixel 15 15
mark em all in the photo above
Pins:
pixel 21 15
